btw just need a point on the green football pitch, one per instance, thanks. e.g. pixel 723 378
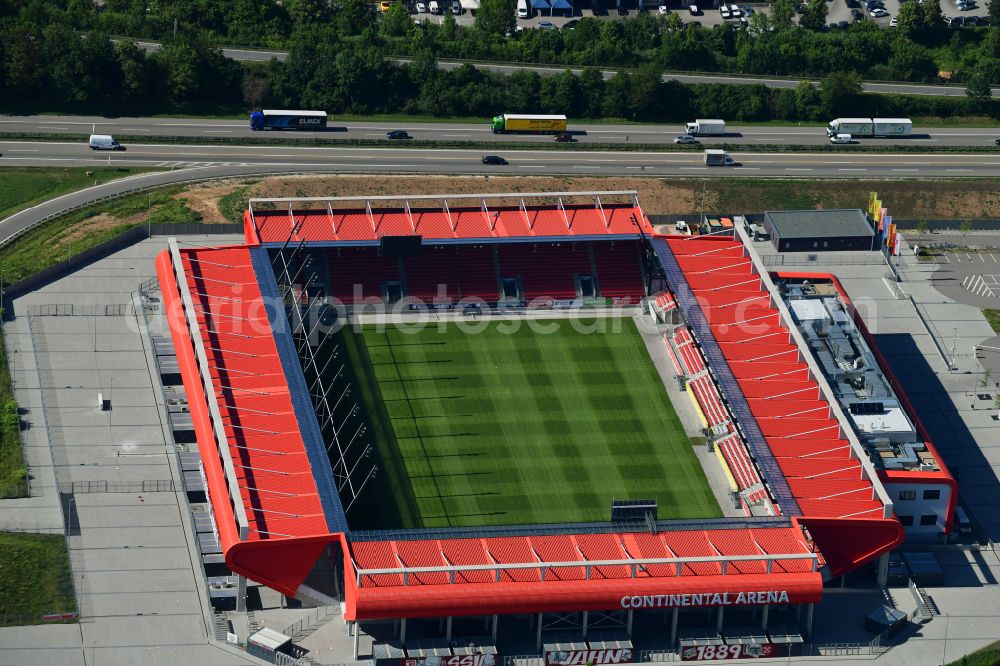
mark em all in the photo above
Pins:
pixel 499 428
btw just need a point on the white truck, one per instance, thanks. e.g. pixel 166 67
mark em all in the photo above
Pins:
pixel 703 127
pixel 718 157
pixel 871 127
pixel 522 9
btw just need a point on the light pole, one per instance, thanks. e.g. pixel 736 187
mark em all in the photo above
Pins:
pixel 944 649
pixel 954 343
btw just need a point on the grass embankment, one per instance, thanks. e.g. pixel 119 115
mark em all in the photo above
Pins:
pixel 494 427
pixel 987 656
pixel 13 476
pixel 24 188
pixel 35 577
pixel 993 317
pixel 81 230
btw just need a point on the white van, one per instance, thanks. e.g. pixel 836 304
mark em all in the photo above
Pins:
pixel 434 7
pixel 104 142
pixel 522 9
pixel 841 138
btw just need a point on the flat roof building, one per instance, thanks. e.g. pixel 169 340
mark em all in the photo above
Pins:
pixel 819 230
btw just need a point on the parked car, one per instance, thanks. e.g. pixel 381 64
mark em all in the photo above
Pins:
pixel 685 138
pixel 663 10
pixel 724 10
pixel 734 11
pixel 397 134
pixel 853 4
pixel 384 6
pixel 843 24
pixel 421 8
pixel 967 7
pixel 878 12
pixel 564 137
pixel 693 10
pixel 570 25
pixel 456 8
pixel 748 10
pixel 893 22
pixel 495 160
pixel 546 25
pixel 800 8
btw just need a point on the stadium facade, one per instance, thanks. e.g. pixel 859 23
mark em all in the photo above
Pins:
pixel 285 466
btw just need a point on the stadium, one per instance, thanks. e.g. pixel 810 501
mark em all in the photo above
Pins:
pixel 453 408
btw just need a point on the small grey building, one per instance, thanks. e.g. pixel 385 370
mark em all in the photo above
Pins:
pixel 820 230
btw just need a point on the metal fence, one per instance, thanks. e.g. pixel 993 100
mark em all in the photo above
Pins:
pixel 311 622
pixel 78 310
pixel 821 260
pixel 90 487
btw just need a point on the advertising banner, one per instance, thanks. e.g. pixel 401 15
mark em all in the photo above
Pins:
pixel 456 660
pixel 585 657
pixel 724 652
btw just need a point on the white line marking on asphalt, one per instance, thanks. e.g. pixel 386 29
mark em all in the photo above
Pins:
pixel 959 170
pixel 852 169
pixel 982 258
pixel 905 169
pixel 582 166
pixel 23 150
pixel 136 129
pixel 995 259
pixel 695 168
pixel 791 169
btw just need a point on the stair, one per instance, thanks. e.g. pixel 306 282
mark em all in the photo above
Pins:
pixel 220 626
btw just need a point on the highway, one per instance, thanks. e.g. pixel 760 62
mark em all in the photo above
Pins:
pixel 180 163
pixel 261 55
pixel 644 134
pixel 522 162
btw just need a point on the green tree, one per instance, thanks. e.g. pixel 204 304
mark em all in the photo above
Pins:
pixel 965 227
pixel 978 89
pixel 310 11
pixel 396 22
pixel 933 18
pixel 911 61
pixel 24 63
pixel 840 92
pixel 923 226
pixel 994 10
pixel 910 18
pixel 137 73
pixel 496 17
pixel 352 17
pixel 782 14
pixel 591 92
pixel 814 17
pixel 808 102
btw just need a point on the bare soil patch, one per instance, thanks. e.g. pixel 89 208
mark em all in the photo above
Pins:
pixel 204 198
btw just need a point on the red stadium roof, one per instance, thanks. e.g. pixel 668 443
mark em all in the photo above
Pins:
pixel 563 572
pixel 787 403
pixel 488 216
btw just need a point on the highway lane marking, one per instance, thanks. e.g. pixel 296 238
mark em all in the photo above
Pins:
pixel 906 169
pixel 852 169
pixel 791 169
pixel 959 170
pixel 23 150
pixel 135 129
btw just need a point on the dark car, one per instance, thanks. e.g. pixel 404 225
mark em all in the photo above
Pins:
pixel 853 4
pixel 494 160
pixel 564 137
pixel 397 134
pixel 569 25
pixel 843 24
pixel 857 15
pixel 996 142
pixel 800 8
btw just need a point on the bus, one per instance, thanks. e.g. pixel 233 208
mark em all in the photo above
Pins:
pixel 271 119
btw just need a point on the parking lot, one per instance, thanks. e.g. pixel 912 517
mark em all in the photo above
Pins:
pixel 708 16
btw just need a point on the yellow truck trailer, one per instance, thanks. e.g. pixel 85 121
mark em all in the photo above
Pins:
pixel 529 123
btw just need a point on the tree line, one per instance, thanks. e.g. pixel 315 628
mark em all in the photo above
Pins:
pixel 57 69
pixel 919 49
